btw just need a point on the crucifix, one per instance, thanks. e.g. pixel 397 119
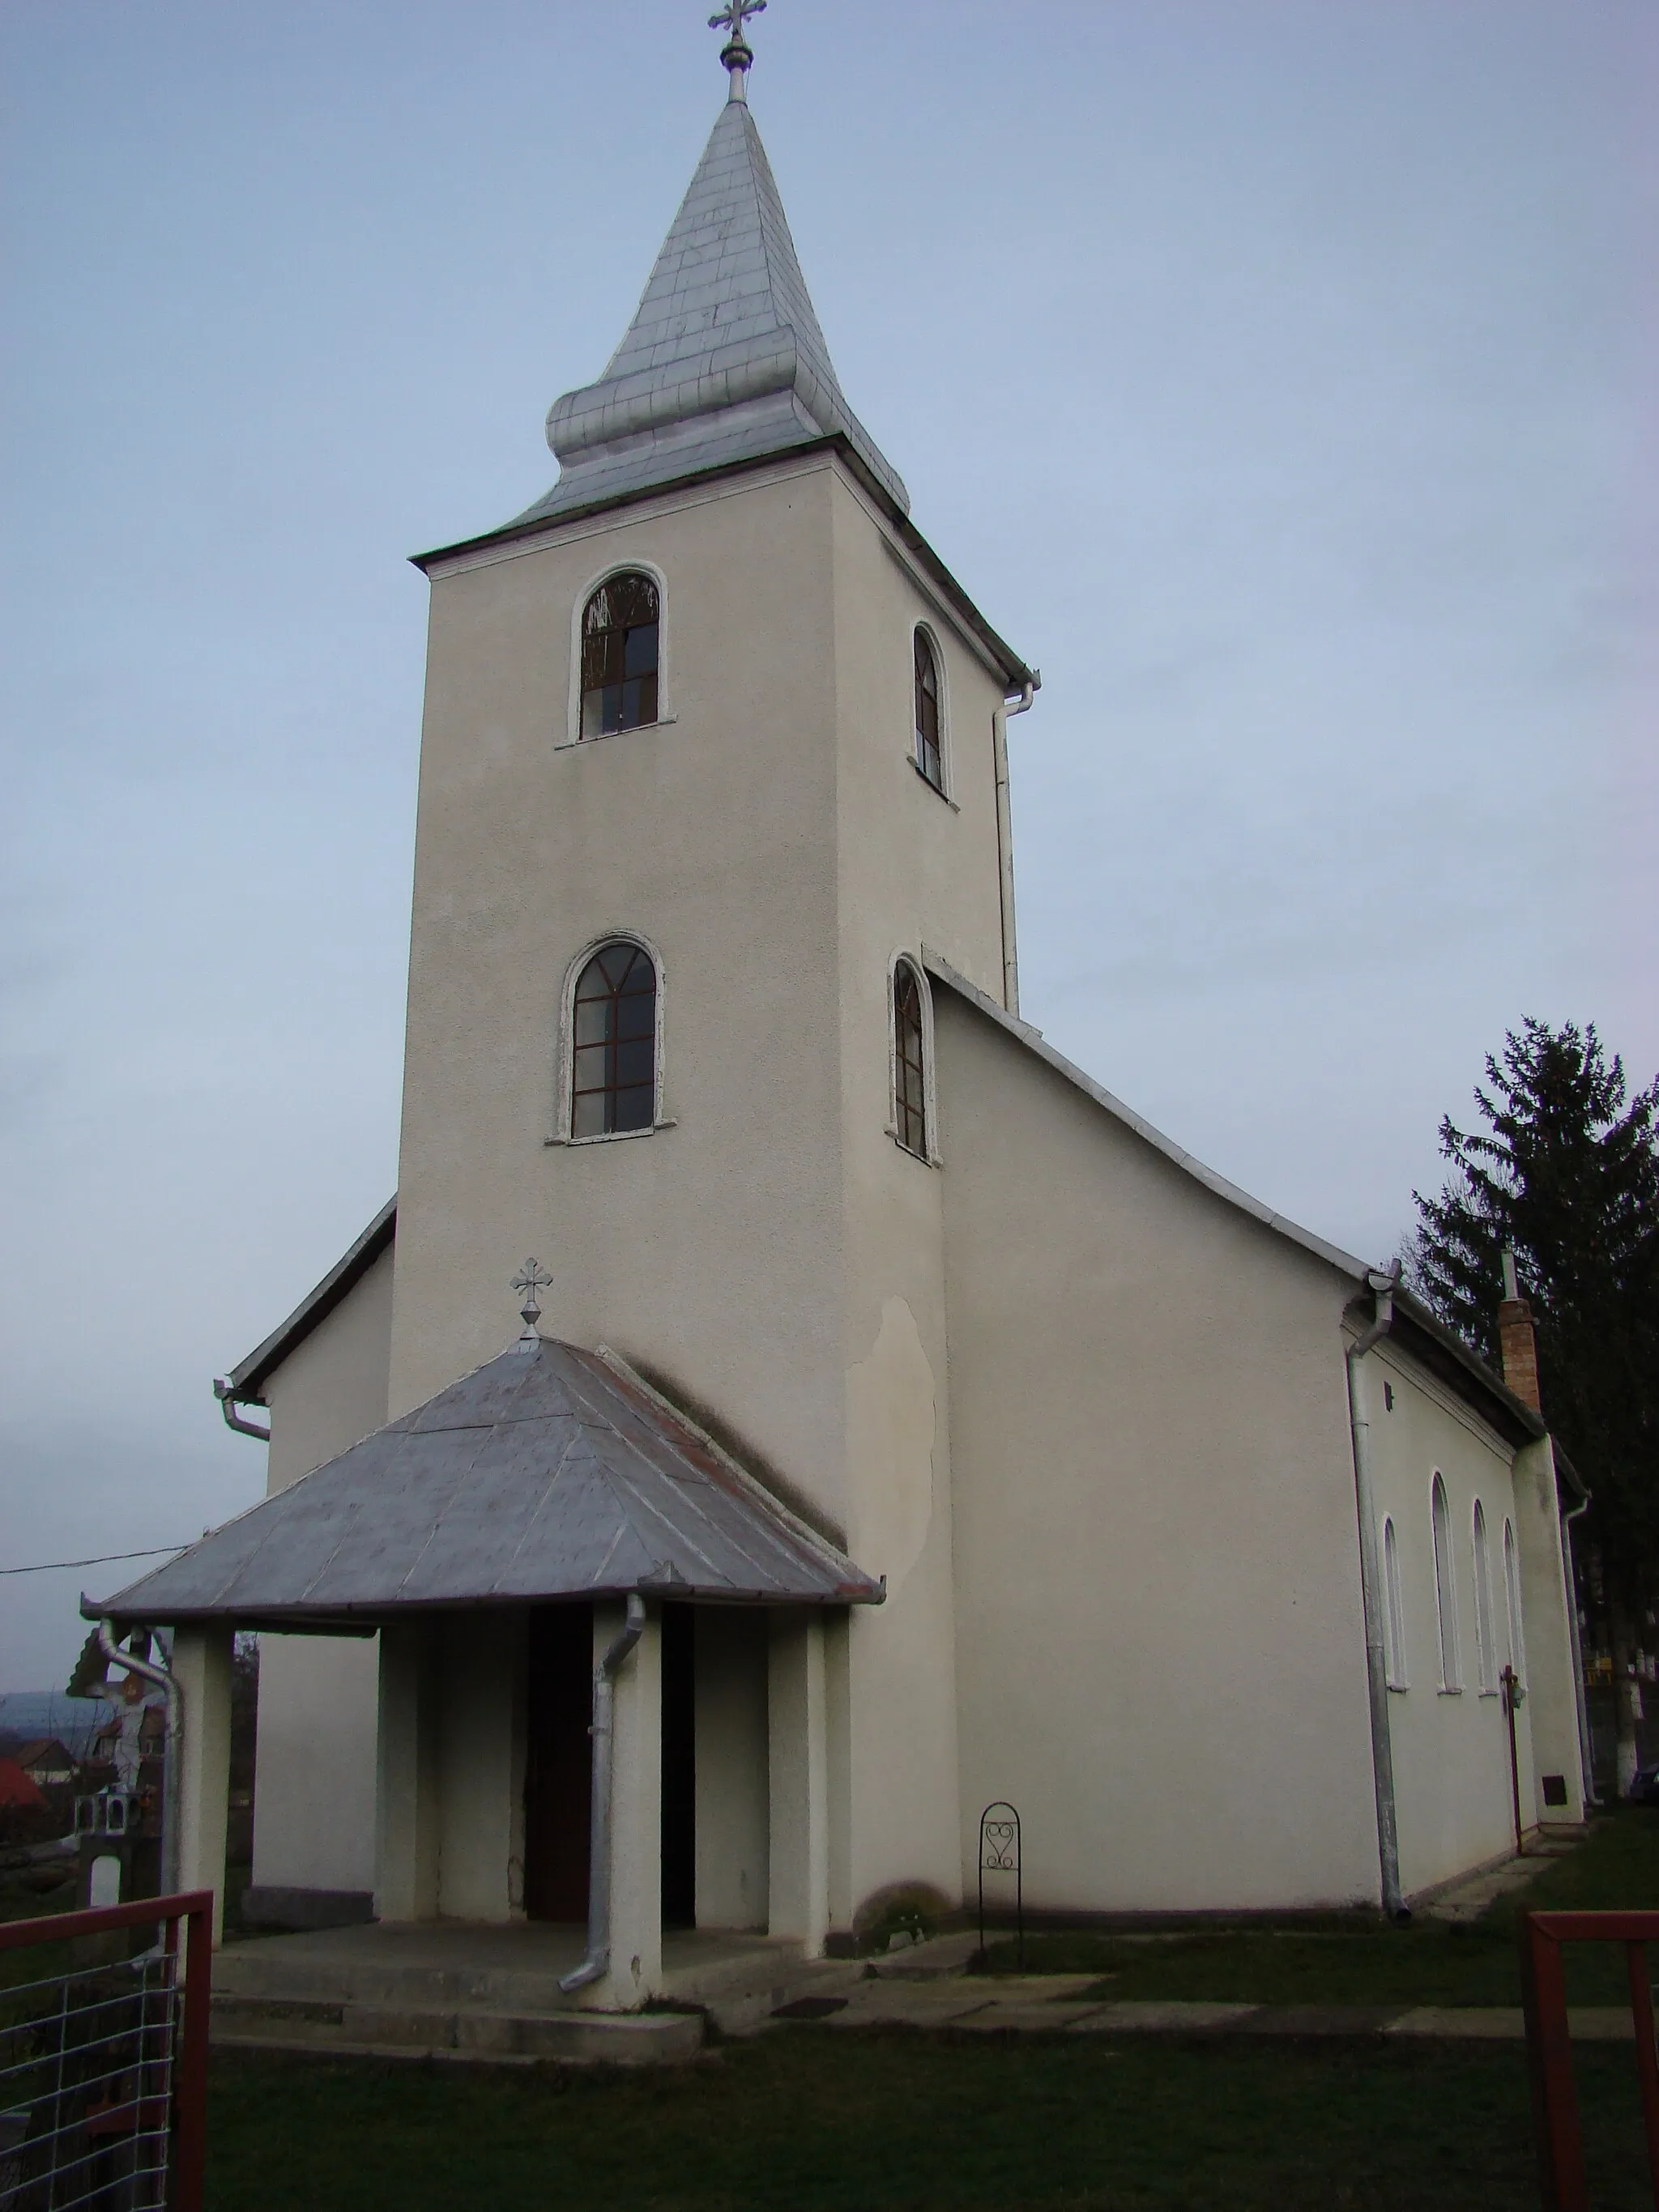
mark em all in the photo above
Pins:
pixel 736 54
pixel 532 1276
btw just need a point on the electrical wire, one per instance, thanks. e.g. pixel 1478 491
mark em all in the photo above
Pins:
pixel 104 1558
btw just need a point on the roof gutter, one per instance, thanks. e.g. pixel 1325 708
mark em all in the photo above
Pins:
pixel 1382 1289
pixel 597 1964
pixel 228 1401
pixel 1569 1567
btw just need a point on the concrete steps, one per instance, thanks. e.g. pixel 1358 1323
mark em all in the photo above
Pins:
pixel 319 2028
pixel 493 1993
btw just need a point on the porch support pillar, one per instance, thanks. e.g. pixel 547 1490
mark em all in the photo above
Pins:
pixel 202 1668
pixel 635 1973
pixel 406 1776
pixel 799 1763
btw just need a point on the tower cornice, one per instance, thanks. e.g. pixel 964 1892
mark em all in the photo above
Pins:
pixel 530 532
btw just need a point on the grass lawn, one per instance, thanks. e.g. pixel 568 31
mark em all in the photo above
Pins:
pixel 810 2119
pixel 1360 1960
pixel 816 2119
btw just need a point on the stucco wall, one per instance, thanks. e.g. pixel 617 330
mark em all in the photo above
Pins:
pixel 480 1684
pixel 916 869
pixel 708 1251
pixel 1160 1645
pixel 1451 1747
pixel 770 1258
pixel 733 1785
pixel 315 1798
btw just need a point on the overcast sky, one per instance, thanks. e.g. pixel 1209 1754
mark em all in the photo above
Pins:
pixel 1277 374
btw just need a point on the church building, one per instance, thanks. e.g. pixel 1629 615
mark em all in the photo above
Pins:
pixel 890 1421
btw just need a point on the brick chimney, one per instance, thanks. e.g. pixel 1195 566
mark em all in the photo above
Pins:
pixel 1517 1343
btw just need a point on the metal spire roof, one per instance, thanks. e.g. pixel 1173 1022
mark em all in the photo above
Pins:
pixel 724 360
pixel 548 1473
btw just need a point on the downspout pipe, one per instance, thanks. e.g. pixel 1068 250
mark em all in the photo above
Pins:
pixel 1382 1288
pixel 999 718
pixel 228 1401
pixel 1586 1768
pixel 598 1961
pixel 172 1758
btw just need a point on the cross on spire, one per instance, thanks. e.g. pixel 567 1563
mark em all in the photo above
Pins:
pixel 736 55
pixel 531 1278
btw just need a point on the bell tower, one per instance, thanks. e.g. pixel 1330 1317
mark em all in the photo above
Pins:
pixel 712 766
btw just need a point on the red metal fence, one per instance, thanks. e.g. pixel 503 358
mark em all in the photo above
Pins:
pixel 103 2062
pixel 1549 2052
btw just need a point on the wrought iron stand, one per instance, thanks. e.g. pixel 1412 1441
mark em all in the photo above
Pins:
pixel 999 1853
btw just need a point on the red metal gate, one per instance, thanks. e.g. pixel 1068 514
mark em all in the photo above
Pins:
pixel 103 2064
pixel 1549 2052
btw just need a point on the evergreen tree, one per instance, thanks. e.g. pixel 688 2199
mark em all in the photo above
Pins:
pixel 1566 1173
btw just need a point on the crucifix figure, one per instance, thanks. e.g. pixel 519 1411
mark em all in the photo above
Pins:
pixel 736 54
pixel 532 1276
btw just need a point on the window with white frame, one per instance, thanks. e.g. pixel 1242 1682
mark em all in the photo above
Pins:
pixel 1517 1653
pixel 1486 1651
pixel 1393 1609
pixel 621 624
pixel 909 1061
pixel 613 1042
pixel 1445 1586
pixel 929 711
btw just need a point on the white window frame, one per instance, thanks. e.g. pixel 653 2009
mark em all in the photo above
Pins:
pixel 1485 1639
pixel 565 1056
pixel 572 736
pixel 929 1088
pixel 945 788
pixel 1445 1588
pixel 1512 1603
pixel 1393 1609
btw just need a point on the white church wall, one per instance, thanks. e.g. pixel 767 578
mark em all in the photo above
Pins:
pixel 733 1800
pixel 480 1679
pixel 769 1255
pixel 1454 1802
pixel 1546 1612
pixel 1159 1632
pixel 314 1814
pixel 708 1251
pixel 916 869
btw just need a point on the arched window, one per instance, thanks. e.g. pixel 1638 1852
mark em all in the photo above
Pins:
pixel 930 758
pixel 1512 1595
pixel 619 655
pixel 1485 1653
pixel 1445 1588
pixel 613 1060
pixel 909 1061
pixel 1393 1609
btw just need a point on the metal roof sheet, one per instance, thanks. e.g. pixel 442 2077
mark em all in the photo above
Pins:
pixel 724 357
pixel 549 1471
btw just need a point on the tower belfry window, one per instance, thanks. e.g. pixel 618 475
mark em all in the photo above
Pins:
pixel 929 757
pixel 613 1062
pixel 620 627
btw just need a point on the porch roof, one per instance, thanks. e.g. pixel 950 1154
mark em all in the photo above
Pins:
pixel 548 1473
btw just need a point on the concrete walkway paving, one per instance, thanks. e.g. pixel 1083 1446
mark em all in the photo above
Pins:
pixel 1058 2004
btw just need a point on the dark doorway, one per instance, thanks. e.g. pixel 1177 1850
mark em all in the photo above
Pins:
pixel 558 1763
pixel 679 1766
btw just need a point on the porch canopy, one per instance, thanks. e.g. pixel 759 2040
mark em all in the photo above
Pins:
pixel 548 1473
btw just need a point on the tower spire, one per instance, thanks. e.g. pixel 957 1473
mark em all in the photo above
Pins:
pixel 736 55
pixel 725 360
